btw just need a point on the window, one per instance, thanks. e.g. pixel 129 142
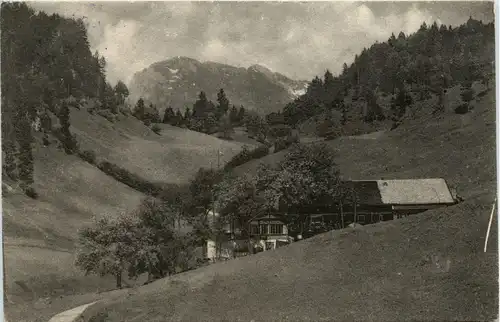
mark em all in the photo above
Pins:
pixel 270 245
pixel 255 229
pixel 263 229
pixel 276 229
pixel 361 219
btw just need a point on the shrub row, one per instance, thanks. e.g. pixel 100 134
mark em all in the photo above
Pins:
pixel 168 192
pixel 284 143
pixel 130 179
pixel 246 155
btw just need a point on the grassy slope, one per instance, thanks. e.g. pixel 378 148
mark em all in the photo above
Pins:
pixel 429 266
pixel 240 136
pixel 170 157
pixel 40 234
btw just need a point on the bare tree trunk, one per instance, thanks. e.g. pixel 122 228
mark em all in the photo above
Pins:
pixel 355 209
pixel 119 280
pixel 342 214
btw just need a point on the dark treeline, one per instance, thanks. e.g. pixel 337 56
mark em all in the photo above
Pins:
pixel 428 61
pixel 221 117
pixel 47 66
pixel 204 116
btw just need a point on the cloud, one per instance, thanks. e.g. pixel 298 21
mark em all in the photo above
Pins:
pixel 298 39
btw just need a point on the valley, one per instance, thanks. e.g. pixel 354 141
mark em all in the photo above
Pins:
pixel 121 195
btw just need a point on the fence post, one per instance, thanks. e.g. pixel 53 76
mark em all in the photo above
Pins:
pixel 489 225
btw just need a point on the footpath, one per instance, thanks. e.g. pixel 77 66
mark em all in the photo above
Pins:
pixel 71 315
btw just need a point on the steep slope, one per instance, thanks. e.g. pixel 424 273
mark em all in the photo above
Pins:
pixel 40 234
pixel 425 62
pixel 426 267
pixel 172 157
pixel 459 148
pixel 177 82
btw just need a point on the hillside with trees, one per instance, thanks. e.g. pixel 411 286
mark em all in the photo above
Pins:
pixel 385 80
pixel 71 152
pixel 47 67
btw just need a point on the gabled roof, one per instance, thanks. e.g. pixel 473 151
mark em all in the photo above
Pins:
pixel 414 191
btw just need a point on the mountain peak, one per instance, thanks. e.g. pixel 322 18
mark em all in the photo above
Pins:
pixel 177 82
pixel 261 69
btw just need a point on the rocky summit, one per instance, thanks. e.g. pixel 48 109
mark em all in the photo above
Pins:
pixel 176 82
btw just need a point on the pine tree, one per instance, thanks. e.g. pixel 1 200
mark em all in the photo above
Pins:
pixel 152 115
pixel 121 91
pixel 233 115
pixel 68 141
pixel 241 114
pixel 179 120
pixel 110 99
pixel 187 114
pixel 329 79
pixel 10 165
pixel 139 110
pixel 25 139
pixel 169 115
pixel 223 105
pixel 200 107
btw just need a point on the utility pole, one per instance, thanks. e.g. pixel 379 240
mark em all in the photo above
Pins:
pixel 219 153
pixel 3 272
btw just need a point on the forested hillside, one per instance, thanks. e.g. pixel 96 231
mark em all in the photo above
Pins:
pixel 385 79
pixel 47 66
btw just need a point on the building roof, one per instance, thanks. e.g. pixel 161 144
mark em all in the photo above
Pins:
pixel 414 191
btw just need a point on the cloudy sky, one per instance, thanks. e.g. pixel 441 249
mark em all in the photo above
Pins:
pixel 298 39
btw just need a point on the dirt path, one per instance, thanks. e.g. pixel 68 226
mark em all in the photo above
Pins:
pixel 70 315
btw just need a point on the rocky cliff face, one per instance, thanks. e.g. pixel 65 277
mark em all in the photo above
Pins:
pixel 177 82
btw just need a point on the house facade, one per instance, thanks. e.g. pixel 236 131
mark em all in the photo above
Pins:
pixel 382 200
pixel 266 233
pixel 269 232
pixel 372 201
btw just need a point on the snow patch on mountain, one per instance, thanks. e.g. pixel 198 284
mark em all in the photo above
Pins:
pixel 297 92
pixel 173 71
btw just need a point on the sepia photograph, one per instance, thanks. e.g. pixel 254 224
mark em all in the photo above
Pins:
pixel 249 161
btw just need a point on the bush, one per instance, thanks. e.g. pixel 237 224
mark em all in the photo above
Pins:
pixel 88 156
pixel 125 110
pixel 130 179
pixel 156 128
pixel 107 115
pixel 483 93
pixel 67 142
pixel 462 109
pixel 246 155
pixel 280 131
pixel 467 95
pixel 280 144
pixel 45 140
pixel 31 192
pixel 284 143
